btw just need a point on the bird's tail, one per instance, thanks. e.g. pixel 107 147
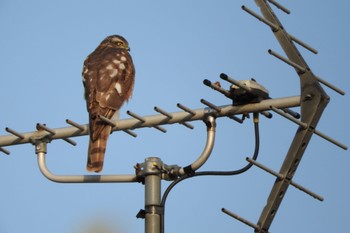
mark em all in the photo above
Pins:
pixel 97 149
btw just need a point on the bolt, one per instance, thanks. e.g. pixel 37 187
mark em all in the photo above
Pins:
pixel 308 97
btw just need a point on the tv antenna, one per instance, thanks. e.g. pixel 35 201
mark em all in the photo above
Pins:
pixel 245 96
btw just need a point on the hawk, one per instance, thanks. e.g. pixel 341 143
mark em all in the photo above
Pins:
pixel 108 79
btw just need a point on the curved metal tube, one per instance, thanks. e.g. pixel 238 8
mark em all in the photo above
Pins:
pixel 41 153
pixel 211 126
pixel 81 178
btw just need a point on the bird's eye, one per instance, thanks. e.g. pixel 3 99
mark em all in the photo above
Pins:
pixel 119 43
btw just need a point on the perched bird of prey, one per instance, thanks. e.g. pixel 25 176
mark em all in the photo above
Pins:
pixel 108 78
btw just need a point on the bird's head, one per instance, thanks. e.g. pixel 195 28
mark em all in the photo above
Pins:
pixel 116 41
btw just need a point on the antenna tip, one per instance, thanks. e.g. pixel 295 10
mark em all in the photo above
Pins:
pixel 206 82
pixel 223 76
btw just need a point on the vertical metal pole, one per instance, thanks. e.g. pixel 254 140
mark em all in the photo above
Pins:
pixel 153 211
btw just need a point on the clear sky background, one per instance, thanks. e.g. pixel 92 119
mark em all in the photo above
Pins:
pixel 175 45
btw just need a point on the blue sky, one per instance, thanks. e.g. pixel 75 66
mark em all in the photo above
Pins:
pixel 175 45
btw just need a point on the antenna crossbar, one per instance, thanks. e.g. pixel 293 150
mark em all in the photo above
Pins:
pixel 182 117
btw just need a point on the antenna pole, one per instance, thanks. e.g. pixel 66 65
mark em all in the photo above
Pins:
pixel 151 171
